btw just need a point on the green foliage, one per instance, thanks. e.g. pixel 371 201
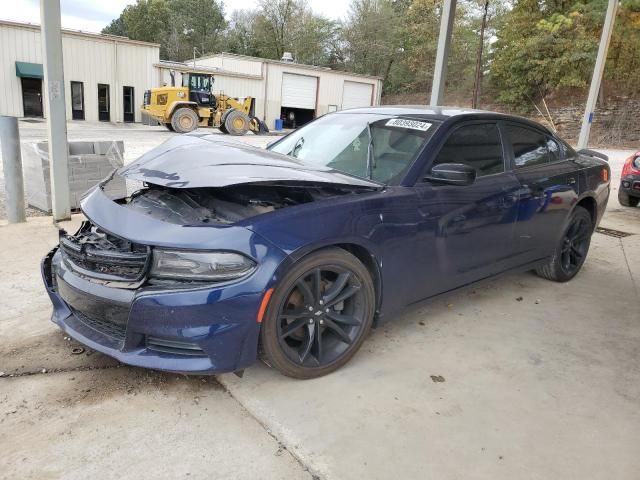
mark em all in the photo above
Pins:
pixel 531 47
pixel 543 46
pixel 178 25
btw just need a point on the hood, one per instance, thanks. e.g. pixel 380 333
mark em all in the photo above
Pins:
pixel 206 160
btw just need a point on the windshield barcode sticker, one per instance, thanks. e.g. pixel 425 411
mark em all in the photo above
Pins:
pixel 412 124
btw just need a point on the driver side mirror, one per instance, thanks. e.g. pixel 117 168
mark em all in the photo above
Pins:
pixel 452 174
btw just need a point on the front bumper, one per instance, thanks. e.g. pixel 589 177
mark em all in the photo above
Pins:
pixel 201 330
pixel 630 185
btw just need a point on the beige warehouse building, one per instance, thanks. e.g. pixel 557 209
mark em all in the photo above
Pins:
pixel 106 76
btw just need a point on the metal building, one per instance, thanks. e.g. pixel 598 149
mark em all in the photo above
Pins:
pixel 105 76
pixel 284 89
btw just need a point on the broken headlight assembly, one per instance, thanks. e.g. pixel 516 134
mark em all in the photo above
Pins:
pixel 199 266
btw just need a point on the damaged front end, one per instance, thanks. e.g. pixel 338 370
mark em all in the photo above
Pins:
pixel 172 276
pixel 224 205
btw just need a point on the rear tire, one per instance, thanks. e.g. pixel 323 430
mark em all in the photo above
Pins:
pixel 627 200
pixel 236 123
pixel 184 120
pixel 319 315
pixel 572 249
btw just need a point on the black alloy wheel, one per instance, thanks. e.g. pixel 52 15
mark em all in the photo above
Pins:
pixel 575 245
pixel 318 317
pixel 572 250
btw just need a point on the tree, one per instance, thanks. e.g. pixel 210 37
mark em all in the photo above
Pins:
pixel 240 36
pixel 202 24
pixel 178 25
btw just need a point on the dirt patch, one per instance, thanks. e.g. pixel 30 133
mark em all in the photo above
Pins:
pixel 51 351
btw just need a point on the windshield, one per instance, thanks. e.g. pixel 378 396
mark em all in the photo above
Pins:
pixel 380 147
pixel 201 83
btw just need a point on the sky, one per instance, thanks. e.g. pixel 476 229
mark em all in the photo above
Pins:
pixel 94 15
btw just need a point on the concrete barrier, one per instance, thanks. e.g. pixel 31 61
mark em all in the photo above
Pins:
pixel 89 163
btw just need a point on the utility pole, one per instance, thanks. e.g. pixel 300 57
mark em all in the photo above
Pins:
pixel 598 70
pixel 442 56
pixel 51 38
pixel 477 83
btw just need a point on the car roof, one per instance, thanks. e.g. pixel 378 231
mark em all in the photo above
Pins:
pixel 441 113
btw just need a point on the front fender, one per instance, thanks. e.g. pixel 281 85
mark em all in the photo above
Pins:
pixel 178 104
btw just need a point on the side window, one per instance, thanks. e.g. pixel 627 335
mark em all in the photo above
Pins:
pixel 554 150
pixel 478 146
pixel 529 146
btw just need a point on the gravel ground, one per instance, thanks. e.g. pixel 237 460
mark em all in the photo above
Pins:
pixel 137 138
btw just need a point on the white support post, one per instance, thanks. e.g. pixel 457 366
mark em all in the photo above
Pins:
pixel 12 165
pixel 51 37
pixel 442 55
pixel 598 70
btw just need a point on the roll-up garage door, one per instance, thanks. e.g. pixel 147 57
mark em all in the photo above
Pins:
pixel 356 94
pixel 299 91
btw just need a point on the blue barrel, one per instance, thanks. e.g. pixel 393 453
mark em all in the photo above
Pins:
pixel 279 124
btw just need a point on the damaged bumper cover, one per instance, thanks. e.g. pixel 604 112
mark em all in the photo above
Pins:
pixel 188 328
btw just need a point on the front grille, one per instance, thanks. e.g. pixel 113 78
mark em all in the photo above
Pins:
pixel 110 329
pixel 98 255
pixel 104 316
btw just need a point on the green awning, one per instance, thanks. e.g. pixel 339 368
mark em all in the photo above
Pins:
pixel 29 70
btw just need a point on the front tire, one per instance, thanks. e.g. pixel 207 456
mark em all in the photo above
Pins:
pixel 627 200
pixel 319 315
pixel 236 123
pixel 184 120
pixel 571 251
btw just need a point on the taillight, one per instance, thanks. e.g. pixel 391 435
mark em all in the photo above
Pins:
pixel 604 174
pixel 632 165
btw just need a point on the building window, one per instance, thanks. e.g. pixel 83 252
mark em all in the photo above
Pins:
pixel 103 103
pixel 128 104
pixel 77 100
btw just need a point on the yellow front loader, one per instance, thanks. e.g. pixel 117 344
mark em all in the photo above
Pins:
pixel 183 109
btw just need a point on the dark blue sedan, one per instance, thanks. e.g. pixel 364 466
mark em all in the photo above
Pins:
pixel 298 250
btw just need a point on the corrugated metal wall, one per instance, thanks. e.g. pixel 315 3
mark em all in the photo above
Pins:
pixel 330 88
pixel 87 59
pixel 247 66
pixel 330 83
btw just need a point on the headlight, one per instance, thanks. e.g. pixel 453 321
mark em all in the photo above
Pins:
pixel 201 266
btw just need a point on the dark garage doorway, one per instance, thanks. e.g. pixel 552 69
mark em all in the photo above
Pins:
pixel 103 103
pixel 32 97
pixel 128 104
pixel 296 117
pixel 77 100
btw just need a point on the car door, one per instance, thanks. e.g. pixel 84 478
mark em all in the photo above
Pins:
pixel 466 232
pixel 548 184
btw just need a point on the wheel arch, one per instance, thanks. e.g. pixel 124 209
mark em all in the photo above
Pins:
pixel 589 203
pixel 179 104
pixel 363 253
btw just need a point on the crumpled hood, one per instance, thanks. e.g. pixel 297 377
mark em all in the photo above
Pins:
pixel 210 160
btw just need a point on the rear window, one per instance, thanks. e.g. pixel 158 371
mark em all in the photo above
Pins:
pixel 529 146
